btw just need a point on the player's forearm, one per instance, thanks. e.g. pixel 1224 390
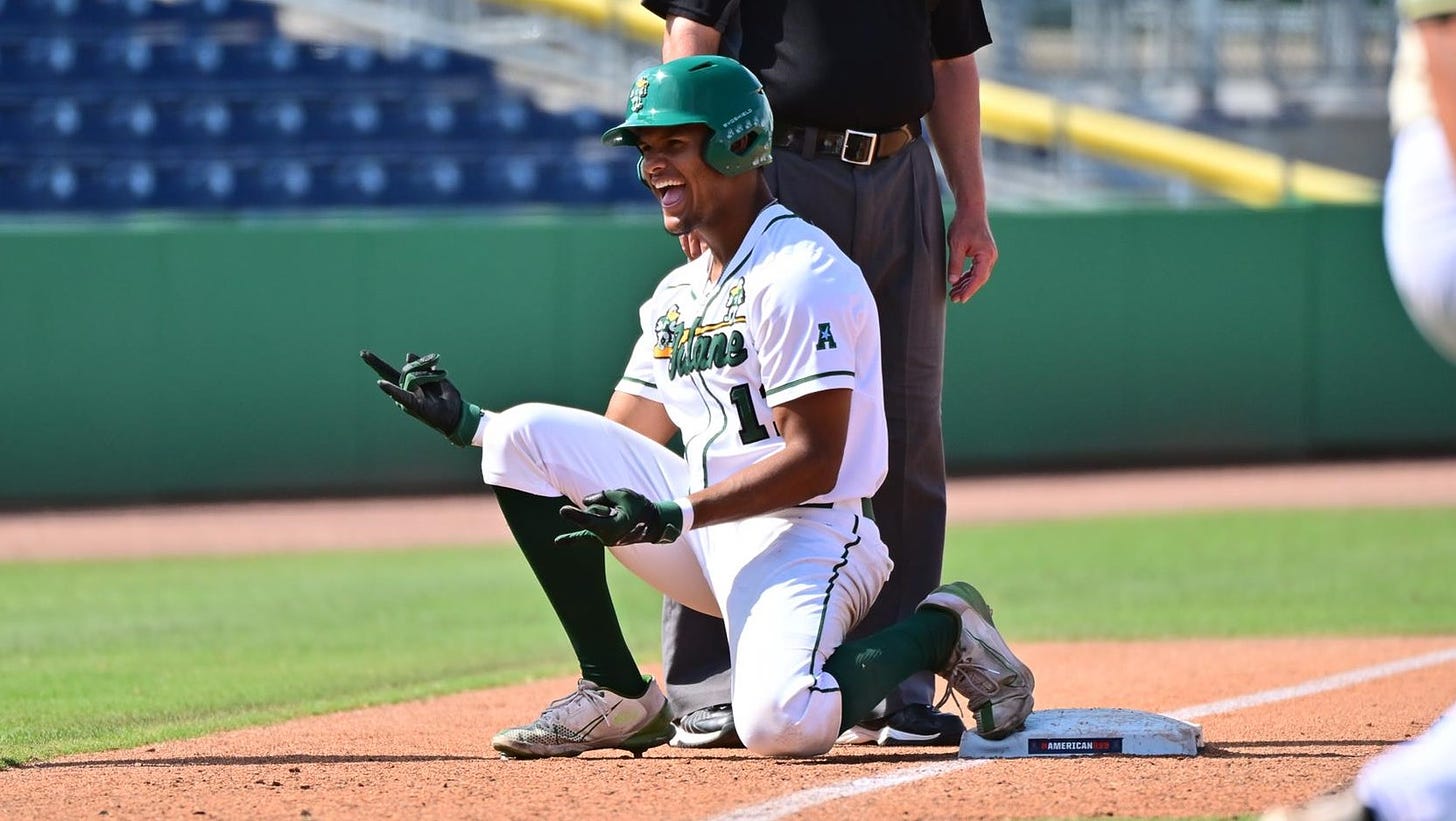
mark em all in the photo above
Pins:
pixel 790 477
pixel 645 416
pixel 955 127
pixel 683 38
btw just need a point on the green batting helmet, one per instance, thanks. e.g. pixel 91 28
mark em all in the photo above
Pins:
pixel 715 91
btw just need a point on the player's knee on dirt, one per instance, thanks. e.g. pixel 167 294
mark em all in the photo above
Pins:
pixel 804 726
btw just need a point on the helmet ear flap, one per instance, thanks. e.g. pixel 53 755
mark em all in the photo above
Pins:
pixel 642 172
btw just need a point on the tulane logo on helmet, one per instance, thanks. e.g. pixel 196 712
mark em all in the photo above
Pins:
pixel 715 91
pixel 638 96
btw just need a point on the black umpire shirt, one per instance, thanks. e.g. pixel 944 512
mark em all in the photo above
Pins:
pixel 861 64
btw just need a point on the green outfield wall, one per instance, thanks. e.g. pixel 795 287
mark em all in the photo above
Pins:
pixel 164 360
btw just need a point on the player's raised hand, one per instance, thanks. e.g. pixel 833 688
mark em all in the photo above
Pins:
pixel 622 516
pixel 422 390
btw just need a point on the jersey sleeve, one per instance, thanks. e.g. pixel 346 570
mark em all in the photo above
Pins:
pixel 809 324
pixel 640 378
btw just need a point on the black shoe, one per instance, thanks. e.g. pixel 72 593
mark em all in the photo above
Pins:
pixel 708 727
pixel 911 725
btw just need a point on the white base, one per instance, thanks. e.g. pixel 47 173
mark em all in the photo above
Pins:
pixel 1097 731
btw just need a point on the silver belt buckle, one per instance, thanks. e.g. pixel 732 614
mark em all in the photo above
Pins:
pixel 864 144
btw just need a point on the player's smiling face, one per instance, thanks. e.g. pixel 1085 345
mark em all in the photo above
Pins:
pixel 689 191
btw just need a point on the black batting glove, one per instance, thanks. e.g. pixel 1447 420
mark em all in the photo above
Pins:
pixel 422 390
pixel 622 516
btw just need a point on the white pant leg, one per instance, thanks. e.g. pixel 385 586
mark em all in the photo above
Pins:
pixel 807 577
pixel 1416 780
pixel 548 450
pixel 1420 231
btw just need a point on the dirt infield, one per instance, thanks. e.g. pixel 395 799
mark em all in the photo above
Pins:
pixel 1295 733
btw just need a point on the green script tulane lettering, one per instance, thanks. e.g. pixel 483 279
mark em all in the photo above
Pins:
pixel 696 353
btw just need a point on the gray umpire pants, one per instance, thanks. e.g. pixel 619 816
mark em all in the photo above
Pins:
pixel 888 217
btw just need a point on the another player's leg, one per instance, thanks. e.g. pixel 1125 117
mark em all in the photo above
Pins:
pixel 614 705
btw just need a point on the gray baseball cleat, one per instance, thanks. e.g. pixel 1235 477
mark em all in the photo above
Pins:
pixel 995 683
pixel 592 718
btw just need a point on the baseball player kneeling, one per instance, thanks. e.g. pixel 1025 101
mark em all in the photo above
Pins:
pixel 764 353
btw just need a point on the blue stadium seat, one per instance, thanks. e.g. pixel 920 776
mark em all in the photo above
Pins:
pixel 355 116
pixel 112 12
pixel 56 118
pixel 510 119
pixel 126 56
pixel 51 185
pixel 127 185
pixel 283 181
pixel 595 180
pixel 275 118
pixel 204 183
pixel 429 116
pixel 131 119
pixel 589 122
pixel 274 57
pixel 513 178
pixel 430 60
pixel 206 10
pixel 359 181
pixel 205 118
pixel 355 61
pixel 434 180
pixel 47 11
pixel 52 57
pixel 201 56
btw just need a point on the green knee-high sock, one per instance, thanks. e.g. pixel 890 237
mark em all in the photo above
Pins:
pixel 868 669
pixel 575 580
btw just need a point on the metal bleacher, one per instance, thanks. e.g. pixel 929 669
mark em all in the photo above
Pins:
pixel 120 106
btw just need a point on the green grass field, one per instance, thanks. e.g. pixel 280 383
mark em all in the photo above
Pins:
pixel 101 655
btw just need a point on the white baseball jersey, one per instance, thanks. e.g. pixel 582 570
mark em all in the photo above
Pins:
pixel 790 315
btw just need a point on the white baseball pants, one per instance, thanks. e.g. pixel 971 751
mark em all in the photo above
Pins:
pixel 788 586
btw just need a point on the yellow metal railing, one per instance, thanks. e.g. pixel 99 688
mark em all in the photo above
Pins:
pixel 1248 175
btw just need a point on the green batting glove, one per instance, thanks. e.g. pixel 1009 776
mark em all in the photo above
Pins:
pixel 422 390
pixel 622 516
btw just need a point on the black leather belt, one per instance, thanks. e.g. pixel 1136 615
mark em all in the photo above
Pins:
pixel 866 509
pixel 849 145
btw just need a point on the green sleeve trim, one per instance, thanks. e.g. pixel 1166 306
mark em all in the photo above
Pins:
pixel 642 382
pixel 788 385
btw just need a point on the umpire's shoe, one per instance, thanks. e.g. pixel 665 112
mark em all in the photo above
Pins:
pixel 708 727
pixel 994 682
pixel 592 718
pixel 910 726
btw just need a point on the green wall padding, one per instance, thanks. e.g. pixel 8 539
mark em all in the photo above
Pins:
pixel 165 360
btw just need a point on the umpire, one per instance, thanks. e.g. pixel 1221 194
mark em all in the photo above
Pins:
pixel 850 82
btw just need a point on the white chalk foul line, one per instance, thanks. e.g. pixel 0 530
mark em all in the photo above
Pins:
pixel 788 805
